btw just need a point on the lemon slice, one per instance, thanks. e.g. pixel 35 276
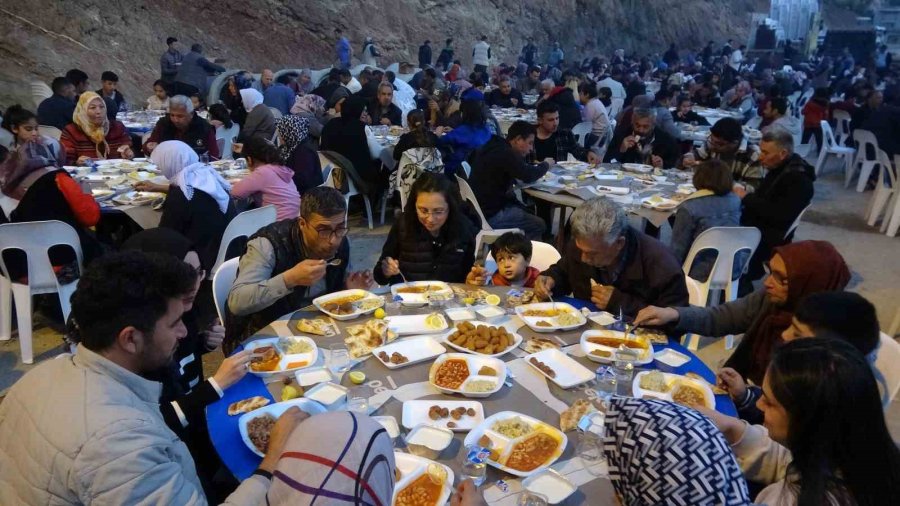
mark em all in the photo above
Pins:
pixel 357 377
pixel 437 473
pixel 492 299
pixel 434 321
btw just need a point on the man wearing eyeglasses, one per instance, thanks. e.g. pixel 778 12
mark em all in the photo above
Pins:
pixel 726 142
pixel 291 262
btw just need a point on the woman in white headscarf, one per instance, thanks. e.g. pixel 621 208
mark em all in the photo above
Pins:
pixel 198 203
pixel 260 120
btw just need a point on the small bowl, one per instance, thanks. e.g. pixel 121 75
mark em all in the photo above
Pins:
pixel 460 314
pixel 432 441
pixel 324 394
pixel 490 312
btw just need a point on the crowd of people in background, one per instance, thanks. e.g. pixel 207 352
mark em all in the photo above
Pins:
pixel 133 312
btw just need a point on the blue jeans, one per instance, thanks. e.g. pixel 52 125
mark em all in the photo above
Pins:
pixel 516 217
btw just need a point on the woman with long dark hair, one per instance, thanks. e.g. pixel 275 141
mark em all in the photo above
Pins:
pixel 433 240
pixel 418 136
pixel 824 440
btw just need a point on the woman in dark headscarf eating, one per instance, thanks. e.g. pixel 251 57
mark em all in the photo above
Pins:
pixel 795 271
pixel 293 131
pixel 346 136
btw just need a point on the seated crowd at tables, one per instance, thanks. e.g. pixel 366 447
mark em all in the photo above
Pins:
pixel 810 397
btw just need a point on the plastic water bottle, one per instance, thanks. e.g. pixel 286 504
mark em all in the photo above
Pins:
pixel 473 464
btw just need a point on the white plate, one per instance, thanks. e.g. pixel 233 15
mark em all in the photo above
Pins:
pixel 505 444
pixel 328 394
pixel 672 380
pixel 276 410
pixel 420 298
pixel 474 363
pixel 416 349
pixel 404 325
pixel 532 321
pixel 644 358
pixel 411 467
pixel 638 167
pixel 137 198
pixel 310 358
pixel 602 318
pixel 517 340
pixel 102 194
pixel 671 357
pixel 569 373
pixel 416 413
pixel 659 203
pixel 552 485
pixel 320 303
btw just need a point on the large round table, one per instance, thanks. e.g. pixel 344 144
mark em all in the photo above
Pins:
pixel 386 389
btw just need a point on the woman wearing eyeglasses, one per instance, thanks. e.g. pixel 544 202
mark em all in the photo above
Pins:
pixel 185 394
pixel 433 240
pixel 795 271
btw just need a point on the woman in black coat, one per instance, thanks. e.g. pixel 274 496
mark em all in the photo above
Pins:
pixel 433 240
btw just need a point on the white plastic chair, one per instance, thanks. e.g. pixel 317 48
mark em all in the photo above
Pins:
pixel 39 92
pixel 796 222
pixel 329 166
pixel 543 255
pixel 485 238
pixel 892 219
pixel 792 103
pixel 615 107
pixel 243 225
pixel 581 131
pixel 221 285
pixel 841 126
pixel 727 242
pixel 326 176
pixel 884 192
pixel 35 239
pixel 467 169
pixel 754 122
pixel 830 147
pixel 465 191
pixel 864 139
pixel 276 113
pixel 50 131
pixel 895 325
pixel 888 362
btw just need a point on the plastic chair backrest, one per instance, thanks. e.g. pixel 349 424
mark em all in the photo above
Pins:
pixel 413 163
pixel 827 135
pixel 888 362
pixel 243 225
pixel 863 139
pixel 50 131
pixel 36 238
pixel 484 238
pixel 796 222
pixel 581 130
pixel 326 176
pixel 615 107
pixel 842 125
pixel 275 112
pixel 467 169
pixel 221 284
pixel 727 242
pixel 221 144
pixel 466 193
pixel 39 92
pixel 543 255
pixel 885 162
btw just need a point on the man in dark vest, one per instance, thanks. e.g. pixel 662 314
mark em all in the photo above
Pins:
pixel 181 124
pixel 286 265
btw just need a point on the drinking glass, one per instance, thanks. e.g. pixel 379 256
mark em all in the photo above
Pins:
pixel 473 465
pixel 338 358
pixel 606 383
pixel 624 369
pixel 358 405
pixel 527 498
pixel 590 445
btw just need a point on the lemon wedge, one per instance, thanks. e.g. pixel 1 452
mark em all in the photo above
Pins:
pixel 434 321
pixel 357 377
pixel 291 392
pixel 492 299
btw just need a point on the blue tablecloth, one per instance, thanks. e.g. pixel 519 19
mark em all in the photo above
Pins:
pixel 226 437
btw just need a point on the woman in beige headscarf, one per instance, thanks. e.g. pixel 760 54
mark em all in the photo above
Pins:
pixel 92 135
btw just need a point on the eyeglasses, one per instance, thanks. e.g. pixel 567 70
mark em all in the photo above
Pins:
pixel 327 233
pixel 781 280
pixel 437 213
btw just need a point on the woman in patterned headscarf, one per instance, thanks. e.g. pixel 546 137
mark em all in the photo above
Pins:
pixel 293 133
pixel 311 107
pixel 664 453
pixel 92 135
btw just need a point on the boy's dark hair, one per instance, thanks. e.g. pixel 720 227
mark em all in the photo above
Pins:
pixel 109 75
pixel 845 315
pixel 514 243
pixel 76 76
pixel 127 289
pixel 58 84
pixel 547 107
pixel 520 129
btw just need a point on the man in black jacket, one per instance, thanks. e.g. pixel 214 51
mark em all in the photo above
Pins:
pixel 425 54
pixel 644 143
pixel 495 167
pixel 784 193
pixel 182 124
pixel 504 95
pixel 58 109
pixel 555 143
pixel 613 265
pixel 382 110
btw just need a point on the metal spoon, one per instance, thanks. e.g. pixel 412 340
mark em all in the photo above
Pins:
pixel 334 262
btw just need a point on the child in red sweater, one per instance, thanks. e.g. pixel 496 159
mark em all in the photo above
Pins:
pixel 512 252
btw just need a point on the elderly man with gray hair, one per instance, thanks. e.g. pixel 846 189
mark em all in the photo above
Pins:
pixel 644 143
pixel 785 191
pixel 181 124
pixel 612 264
